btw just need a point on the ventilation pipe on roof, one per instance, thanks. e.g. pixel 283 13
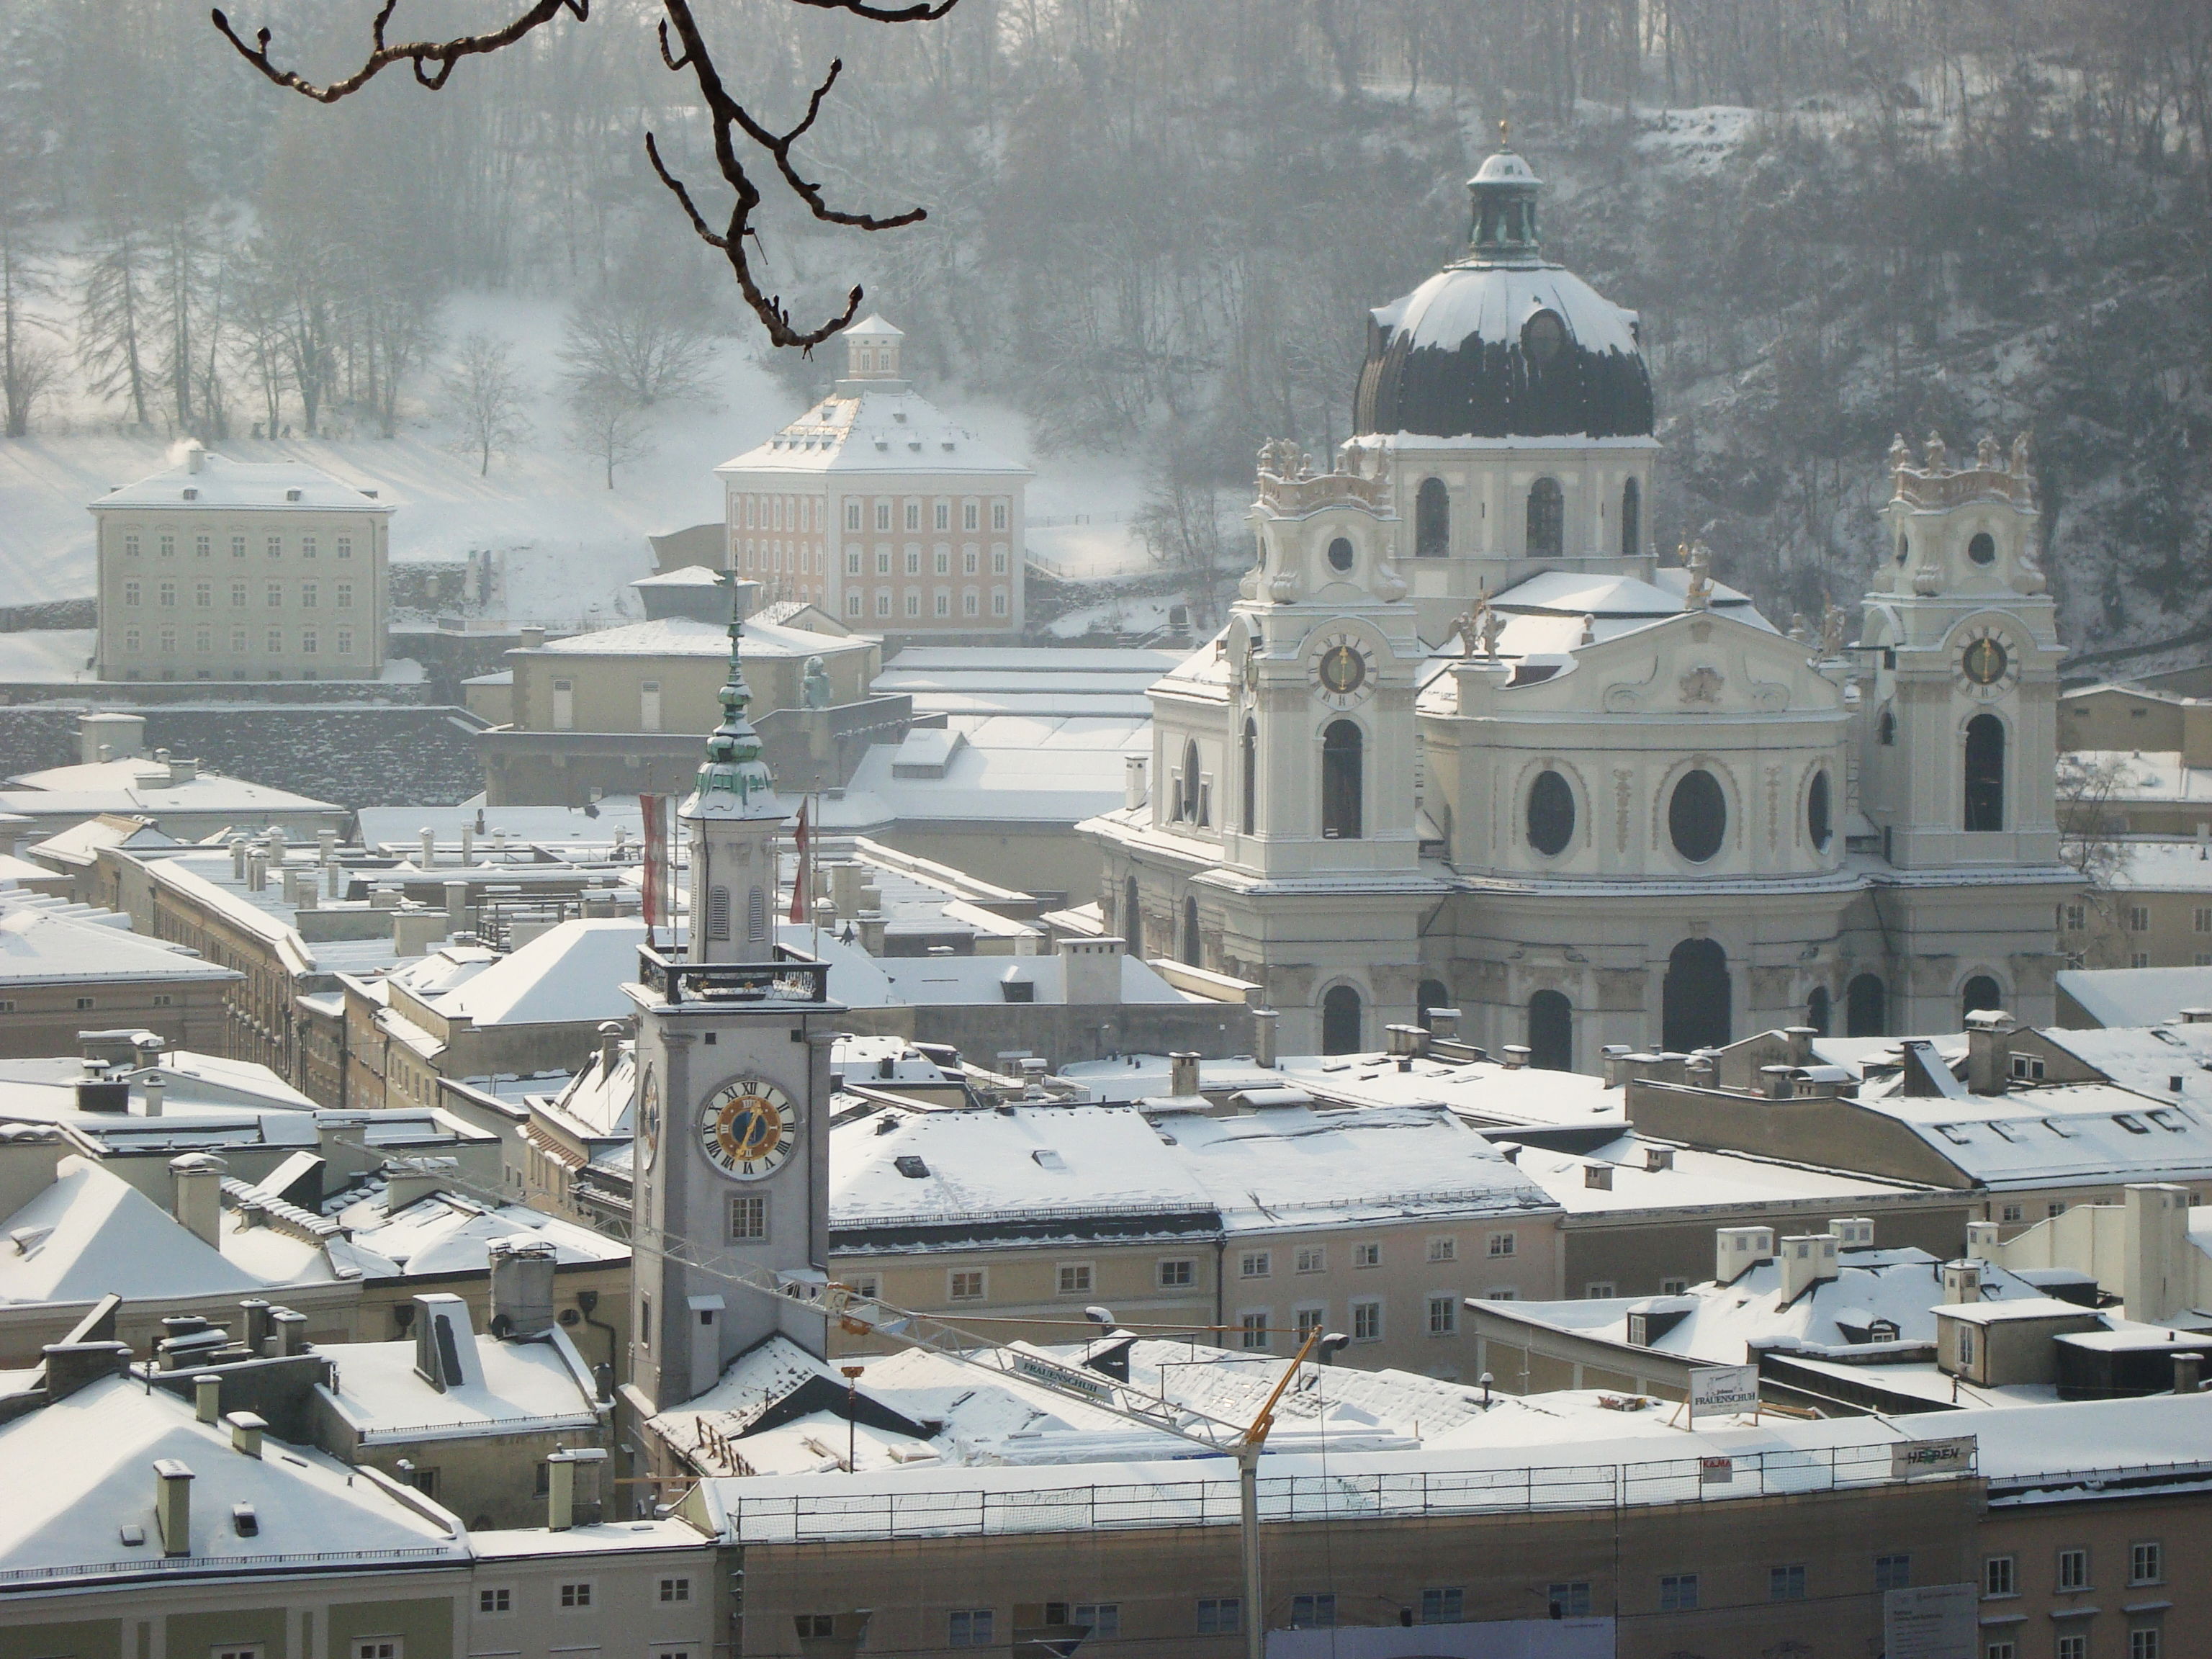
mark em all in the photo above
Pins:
pixel 152 1090
pixel 428 856
pixel 457 905
pixel 1182 1074
pixel 207 1397
pixel 197 1182
pixel 1800 1038
pixel 172 1505
pixel 1514 1056
pixel 1133 780
pixel 327 846
pixel 1263 1036
pixel 245 1431
pixel 468 844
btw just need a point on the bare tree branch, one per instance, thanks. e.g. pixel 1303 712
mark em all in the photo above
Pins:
pixel 432 62
pixel 444 54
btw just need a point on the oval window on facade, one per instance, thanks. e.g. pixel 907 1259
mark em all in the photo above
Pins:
pixel 1817 814
pixel 1983 549
pixel 1340 554
pixel 1551 814
pixel 1697 815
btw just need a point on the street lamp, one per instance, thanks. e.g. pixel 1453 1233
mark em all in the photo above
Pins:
pixel 852 1375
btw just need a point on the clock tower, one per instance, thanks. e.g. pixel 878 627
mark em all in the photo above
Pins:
pixel 731 1156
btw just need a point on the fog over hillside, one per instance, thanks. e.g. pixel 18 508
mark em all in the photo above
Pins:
pixel 1155 229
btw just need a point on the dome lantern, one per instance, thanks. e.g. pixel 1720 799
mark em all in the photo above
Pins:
pixel 1503 230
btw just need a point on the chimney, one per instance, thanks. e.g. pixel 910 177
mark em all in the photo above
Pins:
pixel 238 858
pixel 1853 1232
pixel 256 1325
pixel 532 637
pixel 151 1089
pixel 1182 1074
pixel 197 1182
pixel 468 845
pixel 1614 1060
pixel 1598 1175
pixel 195 457
pixel 1658 1157
pixel 29 1154
pixel 427 856
pixel 457 906
pixel 521 1288
pixel 561 1485
pixel 2188 1373
pixel 327 846
pixel 1962 1282
pixel 335 880
pixel 1800 1039
pixel 1982 1237
pixel 182 771
pixel 1091 971
pixel 1738 1249
pixel 207 1397
pixel 1444 1022
pixel 444 1343
pixel 291 1332
pixel 611 1036
pixel 110 737
pixel 1133 784
pixel 1989 1056
pixel 1405 1041
pixel 1264 1021
pixel 1806 1260
pixel 72 1365
pixel 2155 1282
pixel 245 1431
pixel 103 1094
pixel 256 870
pixel 1514 1056
pixel 414 932
pixel 411 1179
pixel 172 1505
pixel 1778 1082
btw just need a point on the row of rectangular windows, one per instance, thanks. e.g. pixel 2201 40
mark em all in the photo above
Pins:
pixel 204 546
pixel 203 642
pixel 166 594
pixel 2136 918
pixel 968 1285
pixel 2146 1565
pixel 803 511
pixel 970 602
pixel 971 561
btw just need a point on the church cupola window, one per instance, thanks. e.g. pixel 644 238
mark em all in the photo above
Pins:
pixel 1551 815
pixel 1985 772
pixel 1697 817
pixel 1819 827
pixel 1339 1021
pixel 1632 519
pixel 1342 747
pixel 1542 338
pixel 1547 519
pixel 1983 549
pixel 1250 806
pixel 1340 554
pixel 1133 919
pixel 1433 521
pixel 1193 951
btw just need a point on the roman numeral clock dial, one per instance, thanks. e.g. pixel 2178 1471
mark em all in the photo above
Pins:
pixel 1343 669
pixel 749 1128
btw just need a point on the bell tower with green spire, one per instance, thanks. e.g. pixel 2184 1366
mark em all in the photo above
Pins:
pixel 733 815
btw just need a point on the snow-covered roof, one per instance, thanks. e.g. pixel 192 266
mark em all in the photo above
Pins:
pixel 572 972
pixel 2168 1062
pixel 82 1479
pixel 40 947
pixel 1688 1175
pixel 144 788
pixel 449 1233
pixel 2038 1134
pixel 92 1233
pixel 2134 997
pixel 81 843
pixel 894 430
pixel 218 481
pixel 2162 867
pixel 1026 769
pixel 688 636
pixel 925 980
pixel 570 829
pixel 2150 775
pixel 538 1385
pixel 1078 680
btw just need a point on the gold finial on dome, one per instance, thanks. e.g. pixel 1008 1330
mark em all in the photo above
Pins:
pixel 1504 139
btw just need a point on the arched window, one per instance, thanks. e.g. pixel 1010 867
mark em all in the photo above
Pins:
pixel 1817 1012
pixel 1551 1032
pixel 1866 1007
pixel 1250 804
pixel 718 913
pixel 1132 919
pixel 1904 549
pixel 1192 805
pixel 1339 1021
pixel 1193 953
pixel 1340 767
pixel 1551 814
pixel 1433 521
pixel 1547 519
pixel 1433 995
pixel 1697 815
pixel 1694 1000
pixel 1632 519
pixel 1985 772
pixel 1885 727
pixel 1818 825
pixel 1980 996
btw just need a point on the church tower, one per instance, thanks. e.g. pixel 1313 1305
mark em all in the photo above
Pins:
pixel 1957 729
pixel 733 1095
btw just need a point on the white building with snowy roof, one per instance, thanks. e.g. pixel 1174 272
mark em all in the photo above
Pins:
pixel 877 508
pixel 1465 744
pixel 218 569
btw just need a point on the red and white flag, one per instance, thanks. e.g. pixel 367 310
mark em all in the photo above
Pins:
pixel 654 809
pixel 802 893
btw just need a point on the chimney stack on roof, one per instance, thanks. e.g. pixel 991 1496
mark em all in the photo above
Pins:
pixel 1182 1074
pixel 1806 1260
pixel 207 1397
pixel 561 1485
pixel 1736 1250
pixel 1962 1282
pixel 1989 1054
pixel 197 1185
pixel 1264 1021
pixel 172 1505
pixel 521 1288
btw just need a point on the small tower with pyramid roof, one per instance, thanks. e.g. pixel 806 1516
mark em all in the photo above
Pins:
pixel 734 816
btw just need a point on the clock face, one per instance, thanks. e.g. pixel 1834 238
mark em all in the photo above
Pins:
pixel 749 1128
pixel 648 1118
pixel 1986 664
pixel 1343 670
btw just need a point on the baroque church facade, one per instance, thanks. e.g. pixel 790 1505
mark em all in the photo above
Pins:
pixel 1464 742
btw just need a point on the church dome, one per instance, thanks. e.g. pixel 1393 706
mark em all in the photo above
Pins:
pixel 1503 342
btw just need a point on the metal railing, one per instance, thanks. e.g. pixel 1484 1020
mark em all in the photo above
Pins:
pixel 207 1564
pixel 1300 1499
pixel 487 1427
pixel 782 981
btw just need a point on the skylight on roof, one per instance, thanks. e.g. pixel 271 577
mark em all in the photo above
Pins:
pixel 1954 1132
pixel 2134 1125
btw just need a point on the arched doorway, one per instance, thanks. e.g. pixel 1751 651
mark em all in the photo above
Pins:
pixel 1694 1001
pixel 1866 1007
pixel 1339 1021
pixel 1433 521
pixel 1342 747
pixel 1551 1032
pixel 1250 751
pixel 1979 996
pixel 1985 772
pixel 1817 1012
pixel 1193 954
pixel 1132 919
pixel 1433 995
pixel 1547 519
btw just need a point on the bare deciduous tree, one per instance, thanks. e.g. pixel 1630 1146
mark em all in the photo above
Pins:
pixel 2090 839
pixel 433 61
pixel 30 359
pixel 116 321
pixel 636 338
pixel 606 426
pixel 484 393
